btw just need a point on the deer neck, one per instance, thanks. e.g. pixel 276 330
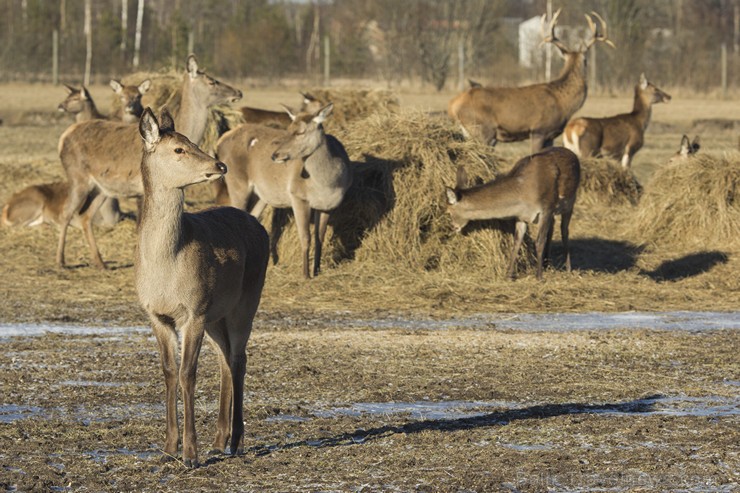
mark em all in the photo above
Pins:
pixel 89 112
pixel 160 228
pixel 322 165
pixel 571 84
pixel 498 200
pixel 192 119
pixel 641 109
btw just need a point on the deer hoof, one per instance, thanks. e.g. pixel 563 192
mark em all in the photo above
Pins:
pixel 191 463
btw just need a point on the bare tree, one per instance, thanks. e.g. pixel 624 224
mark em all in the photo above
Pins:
pixel 137 38
pixel 88 41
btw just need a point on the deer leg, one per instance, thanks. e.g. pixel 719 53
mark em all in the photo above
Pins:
pixel 542 234
pixel 220 341
pixel 258 208
pixel 302 214
pixel 87 226
pixel 75 199
pixel 626 158
pixel 547 259
pixel 564 224
pixel 238 362
pixel 167 342
pixel 321 220
pixel 191 344
pixel 521 229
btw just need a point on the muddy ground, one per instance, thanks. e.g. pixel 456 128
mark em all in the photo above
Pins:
pixel 333 405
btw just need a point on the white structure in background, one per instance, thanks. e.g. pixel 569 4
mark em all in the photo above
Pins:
pixel 531 54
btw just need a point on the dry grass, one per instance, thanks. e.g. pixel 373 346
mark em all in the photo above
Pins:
pixel 605 182
pixel 693 203
pixel 351 105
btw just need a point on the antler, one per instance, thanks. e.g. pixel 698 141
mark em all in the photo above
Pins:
pixel 596 36
pixel 548 35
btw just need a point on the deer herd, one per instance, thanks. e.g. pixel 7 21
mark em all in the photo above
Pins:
pixel 203 273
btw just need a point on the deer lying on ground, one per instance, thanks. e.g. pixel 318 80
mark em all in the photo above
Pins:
pixel 687 149
pixel 302 168
pixel 537 187
pixel 196 274
pixel 104 156
pixel 619 136
pixel 279 119
pixel 131 109
pixel 538 112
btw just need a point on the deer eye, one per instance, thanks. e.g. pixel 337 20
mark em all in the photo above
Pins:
pixel 179 150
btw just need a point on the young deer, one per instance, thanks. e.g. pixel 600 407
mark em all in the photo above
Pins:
pixel 104 156
pixel 131 109
pixel 537 187
pixel 80 103
pixel 537 112
pixel 619 136
pixel 302 168
pixel 198 274
pixel 279 119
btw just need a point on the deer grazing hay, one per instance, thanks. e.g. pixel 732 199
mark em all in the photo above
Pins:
pixel 693 202
pixel 354 104
pixel 394 215
pixel 165 92
pixel 606 183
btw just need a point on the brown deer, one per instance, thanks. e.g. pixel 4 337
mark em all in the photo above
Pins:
pixel 538 112
pixel 619 136
pixel 130 95
pixel 537 187
pixel 687 149
pixel 80 103
pixel 44 204
pixel 279 119
pixel 104 156
pixel 302 168
pixel 198 274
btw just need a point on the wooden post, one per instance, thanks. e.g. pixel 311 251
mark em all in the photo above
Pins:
pixel 724 70
pixel 55 57
pixel 327 60
pixel 461 64
pixel 88 41
pixel 191 41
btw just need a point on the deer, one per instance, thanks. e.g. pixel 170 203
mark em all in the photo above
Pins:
pixel 688 149
pixel 302 168
pixel 279 119
pixel 130 96
pixel 44 203
pixel 619 136
pixel 537 188
pixel 197 274
pixel 538 112
pixel 103 156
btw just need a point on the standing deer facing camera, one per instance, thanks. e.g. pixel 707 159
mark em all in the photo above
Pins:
pixel 537 187
pixel 131 109
pixel 198 274
pixel 302 168
pixel 538 112
pixel 619 136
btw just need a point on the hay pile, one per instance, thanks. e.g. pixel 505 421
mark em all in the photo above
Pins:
pixel 604 182
pixel 165 92
pixel 394 216
pixel 351 105
pixel 693 202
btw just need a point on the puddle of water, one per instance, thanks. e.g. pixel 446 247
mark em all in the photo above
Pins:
pixel 555 322
pixel 11 412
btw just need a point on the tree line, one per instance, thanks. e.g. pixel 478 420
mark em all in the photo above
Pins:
pixel 434 42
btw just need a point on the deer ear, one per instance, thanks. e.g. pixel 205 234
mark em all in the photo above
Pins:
pixel 192 66
pixel 144 86
pixel 324 113
pixel 643 81
pixel 166 122
pixel 116 86
pixel 289 112
pixel 69 88
pixel 685 146
pixel 149 129
pixel 696 144
pixel 307 98
pixel 452 197
pixel 84 93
